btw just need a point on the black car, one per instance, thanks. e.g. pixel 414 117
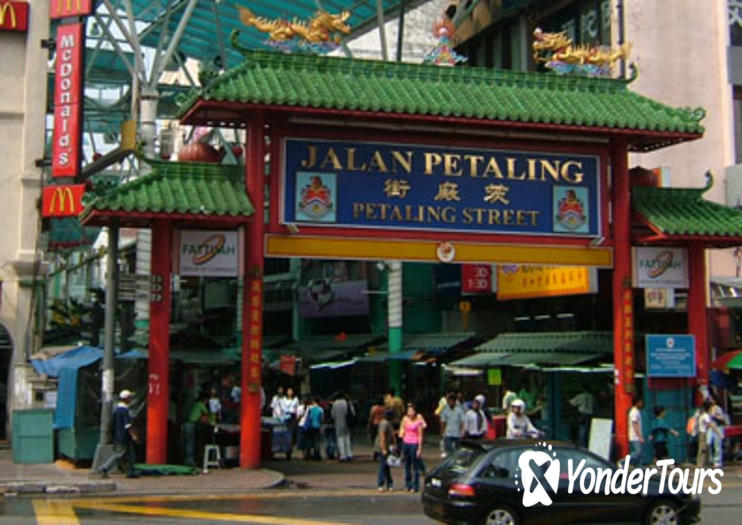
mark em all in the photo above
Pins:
pixel 479 484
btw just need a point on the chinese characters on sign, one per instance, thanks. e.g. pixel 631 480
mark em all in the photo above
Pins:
pixel 66 151
pixel 526 281
pixel 417 187
pixel 627 312
pixel 254 341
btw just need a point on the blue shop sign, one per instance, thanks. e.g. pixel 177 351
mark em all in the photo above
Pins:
pixel 671 355
pixel 430 188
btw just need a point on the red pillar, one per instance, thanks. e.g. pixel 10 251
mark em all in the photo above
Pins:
pixel 623 298
pixel 252 311
pixel 159 343
pixel 697 316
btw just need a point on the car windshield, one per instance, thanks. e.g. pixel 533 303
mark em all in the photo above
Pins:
pixel 462 459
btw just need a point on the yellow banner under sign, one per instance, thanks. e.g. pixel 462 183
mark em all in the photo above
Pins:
pixel 526 281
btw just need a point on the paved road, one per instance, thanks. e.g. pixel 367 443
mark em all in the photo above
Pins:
pixel 286 507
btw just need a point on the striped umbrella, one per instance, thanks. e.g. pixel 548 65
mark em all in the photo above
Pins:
pixel 729 361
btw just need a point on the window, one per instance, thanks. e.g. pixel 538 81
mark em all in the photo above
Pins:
pixel 503 464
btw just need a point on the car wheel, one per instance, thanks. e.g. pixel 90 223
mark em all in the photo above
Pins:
pixel 501 515
pixel 662 513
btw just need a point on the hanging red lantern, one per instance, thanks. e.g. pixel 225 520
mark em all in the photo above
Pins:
pixel 198 152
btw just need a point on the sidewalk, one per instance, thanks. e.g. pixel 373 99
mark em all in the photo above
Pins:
pixel 62 478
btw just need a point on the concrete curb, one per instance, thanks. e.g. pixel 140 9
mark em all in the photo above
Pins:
pixel 71 487
pixel 17 488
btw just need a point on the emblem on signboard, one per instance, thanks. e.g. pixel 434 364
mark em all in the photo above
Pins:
pixel 570 210
pixel 316 197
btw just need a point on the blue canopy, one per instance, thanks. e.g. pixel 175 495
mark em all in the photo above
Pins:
pixel 65 367
pixel 74 359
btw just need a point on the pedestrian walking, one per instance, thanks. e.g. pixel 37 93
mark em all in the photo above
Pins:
pixel 452 424
pixel 197 417
pixel 328 431
pixel 659 435
pixel 715 434
pixel 584 403
pixel 123 438
pixel 691 429
pixel 375 417
pixel 411 432
pixel 314 417
pixel 475 422
pixel 636 437
pixel 384 445
pixel 277 403
pixel 341 411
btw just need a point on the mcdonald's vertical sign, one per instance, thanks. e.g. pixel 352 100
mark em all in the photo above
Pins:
pixel 13 16
pixel 68 100
pixel 62 201
pixel 68 8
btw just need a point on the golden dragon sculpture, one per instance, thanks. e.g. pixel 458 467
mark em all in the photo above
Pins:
pixel 558 52
pixel 323 27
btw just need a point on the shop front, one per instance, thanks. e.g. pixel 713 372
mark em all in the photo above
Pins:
pixel 398 162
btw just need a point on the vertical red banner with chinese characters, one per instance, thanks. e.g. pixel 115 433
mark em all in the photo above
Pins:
pixel 68 97
pixel 70 8
pixel 627 312
pixel 255 337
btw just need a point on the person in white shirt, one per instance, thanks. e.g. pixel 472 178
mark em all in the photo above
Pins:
pixel 475 422
pixel 715 419
pixel 636 437
pixel 277 404
pixel 519 424
pixel 507 399
pixel 584 403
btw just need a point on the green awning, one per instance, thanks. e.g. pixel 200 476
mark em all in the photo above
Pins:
pixel 541 348
pixel 300 81
pixel 494 359
pixel 595 342
pixel 683 213
pixel 176 188
pixel 433 342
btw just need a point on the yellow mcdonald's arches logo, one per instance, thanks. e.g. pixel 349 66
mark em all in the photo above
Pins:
pixel 5 8
pixel 71 6
pixel 60 199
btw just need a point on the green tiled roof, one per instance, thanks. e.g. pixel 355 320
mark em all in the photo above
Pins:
pixel 684 211
pixel 593 342
pixel 493 359
pixel 334 83
pixel 180 187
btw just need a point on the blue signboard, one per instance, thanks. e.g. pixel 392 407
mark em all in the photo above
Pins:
pixel 330 183
pixel 671 355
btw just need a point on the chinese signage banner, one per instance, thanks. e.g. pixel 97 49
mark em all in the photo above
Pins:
pixel 525 281
pixel 13 16
pixel 209 253
pixel 428 188
pixel 324 298
pixel 68 100
pixel 671 356
pixel 70 8
pixel 62 201
pixel 660 268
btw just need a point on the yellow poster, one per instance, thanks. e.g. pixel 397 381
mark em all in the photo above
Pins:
pixel 527 281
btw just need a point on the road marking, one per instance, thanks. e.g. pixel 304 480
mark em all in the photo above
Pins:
pixel 197 514
pixel 54 512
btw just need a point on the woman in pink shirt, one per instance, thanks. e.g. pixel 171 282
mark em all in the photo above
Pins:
pixel 411 431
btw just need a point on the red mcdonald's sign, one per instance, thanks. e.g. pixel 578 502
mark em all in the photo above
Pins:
pixel 66 154
pixel 69 8
pixel 62 201
pixel 13 16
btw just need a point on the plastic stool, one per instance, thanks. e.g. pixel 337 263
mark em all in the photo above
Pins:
pixel 208 461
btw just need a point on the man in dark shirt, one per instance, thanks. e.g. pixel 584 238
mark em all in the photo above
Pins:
pixel 123 437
